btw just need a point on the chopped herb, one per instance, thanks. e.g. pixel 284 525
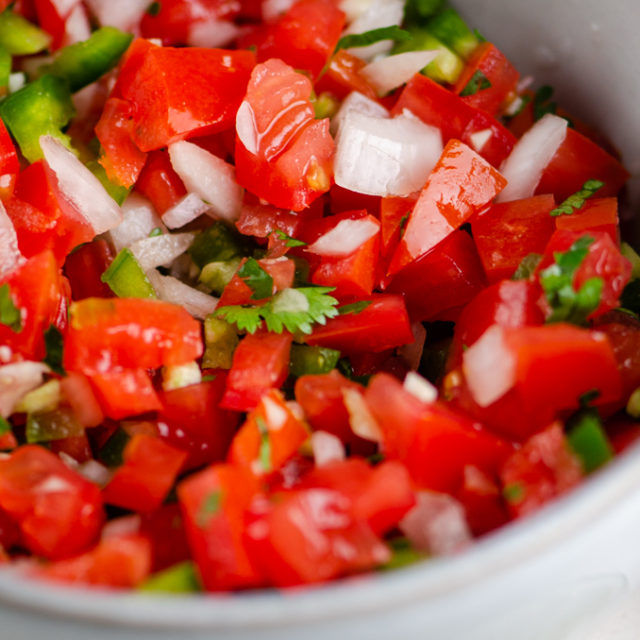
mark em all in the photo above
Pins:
pixel 402 554
pixel 527 267
pixel 403 222
pixel 154 8
pixel 54 345
pixel 290 242
pixel 393 32
pixel 210 506
pixel 9 313
pixel 542 102
pixel 587 438
pixel 355 307
pixel 5 426
pixel 577 200
pixel 180 578
pixel 155 232
pixel 513 493
pixel 630 298
pixel 318 306
pixel 265 444
pixel 567 304
pixel 257 279
pixel 588 397
pixel 208 378
pixel 478 35
pixel 478 82
pixel 376 458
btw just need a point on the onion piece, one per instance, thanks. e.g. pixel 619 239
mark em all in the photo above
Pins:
pixel 420 388
pixel 122 14
pixel 437 524
pixel 385 157
pixel 345 238
pixel 354 8
pixel 95 472
pixel 161 250
pixel 528 159
pixel 380 13
pixel 184 211
pixel 386 74
pixel 10 255
pixel 213 179
pixel 326 448
pixel 489 367
pixel 480 138
pixel 139 219
pixel 212 33
pixel 359 103
pixel 361 420
pixel 122 526
pixel 80 187
pixel 272 9
pixel 76 26
pixel 16 380
pixel 170 289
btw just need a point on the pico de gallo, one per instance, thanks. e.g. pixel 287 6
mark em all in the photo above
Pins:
pixel 293 290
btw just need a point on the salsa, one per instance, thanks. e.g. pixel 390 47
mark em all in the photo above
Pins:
pixel 291 291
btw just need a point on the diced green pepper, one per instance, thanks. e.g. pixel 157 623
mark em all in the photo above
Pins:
pixel 307 360
pixel 19 37
pixel 42 107
pixel 180 578
pixel 588 439
pixel 217 275
pixel 325 105
pixel 5 71
pixel 630 254
pixel 52 425
pixel 217 243
pixel 82 63
pixel 221 341
pixel 126 278
pixel 116 191
pixel 633 404
pixel 448 26
pixel 417 10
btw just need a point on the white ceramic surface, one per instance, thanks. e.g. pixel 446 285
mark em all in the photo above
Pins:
pixel 545 578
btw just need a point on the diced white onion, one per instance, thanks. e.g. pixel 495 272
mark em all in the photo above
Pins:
pixel 272 9
pixel 76 27
pixel 480 138
pixel 10 255
pixel 420 387
pixel 161 250
pixel 80 187
pixel 16 380
pixel 489 367
pixel 95 472
pixel 412 353
pixel 354 8
pixel 123 14
pixel 530 156
pixel 210 177
pixel 358 103
pixel 361 420
pixel 326 448
pixel 64 7
pixel 184 211
pixel 275 415
pixel 123 526
pixel 139 219
pixel 181 375
pixel 246 127
pixel 212 33
pixel 170 289
pixel 436 524
pixel 385 157
pixel 17 80
pixel 380 13
pixel 345 238
pixel 385 74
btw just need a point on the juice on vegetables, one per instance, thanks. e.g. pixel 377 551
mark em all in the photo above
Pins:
pixel 293 290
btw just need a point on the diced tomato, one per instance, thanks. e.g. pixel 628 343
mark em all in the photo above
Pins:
pixel 59 512
pixel 77 392
pixel 52 17
pixel 147 474
pixel 487 65
pixel 260 220
pixel 432 441
pixel 343 76
pixel 164 528
pixel 129 333
pixel 507 232
pixel 9 163
pixel 597 214
pixel 159 182
pixel 394 212
pixel 271 434
pixel 443 206
pixel 213 502
pixel 76 447
pixel 84 268
pixel 542 469
pixel 124 393
pixel 342 199
pixel 192 420
pixel 381 325
pixel 9 531
pixel 260 363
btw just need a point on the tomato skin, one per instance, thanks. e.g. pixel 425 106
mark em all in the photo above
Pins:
pixel 597 214
pixel 260 363
pixel 443 206
pixel 59 512
pixel 509 231
pixel 159 182
pixel 9 163
pixel 124 393
pixel 84 268
pixel 164 528
pixel 383 324
pixel 343 76
pixel 129 333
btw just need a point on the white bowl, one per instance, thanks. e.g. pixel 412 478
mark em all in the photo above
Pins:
pixel 540 578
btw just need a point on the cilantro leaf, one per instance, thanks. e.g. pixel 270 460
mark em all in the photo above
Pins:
pixel 290 242
pixel 478 82
pixel 9 313
pixel 542 102
pixel 54 346
pixel 209 507
pixel 567 304
pixel 393 32
pixel 587 438
pixel 527 267
pixel 577 200
pixel 355 307
pixel 257 279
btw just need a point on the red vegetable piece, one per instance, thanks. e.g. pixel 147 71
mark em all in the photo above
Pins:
pixel 84 268
pixel 159 182
pixel 76 447
pixel 597 214
pixel 164 528
pixel 59 512
pixel 260 363
pixel 343 76
pixel 9 163
pixel 443 205
pixel 124 393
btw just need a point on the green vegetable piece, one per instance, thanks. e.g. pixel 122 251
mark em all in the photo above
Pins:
pixel 210 507
pixel 367 38
pixel 112 450
pixel 180 578
pixel 42 107
pixel 478 82
pixel 633 404
pixel 434 360
pixel 567 304
pixel 630 254
pixel 513 493
pixel 402 554
pixel 305 360
pixel 290 242
pixel 217 243
pixel 448 26
pixel 542 103
pixel 264 454
pixel 527 267
pixel 9 314
pixel 577 200
pixel 420 9
pixel 54 345
pixel 46 397
pixel 257 279
pixel 82 63
pixel 217 275
pixel 630 298
pixel 5 71
pixel 5 426
pixel 116 191
pixel 355 307
pixel 126 278
pixel 155 232
pixel 19 36
pixel 588 439
pixel 325 105
pixel 221 341
pixel 154 8
pixel 52 425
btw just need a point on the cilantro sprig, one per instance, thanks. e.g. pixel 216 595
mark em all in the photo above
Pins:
pixel 477 82
pixel 578 199
pixel 367 38
pixel 289 240
pixel 54 345
pixel 567 303
pixel 256 278
pixel 294 309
